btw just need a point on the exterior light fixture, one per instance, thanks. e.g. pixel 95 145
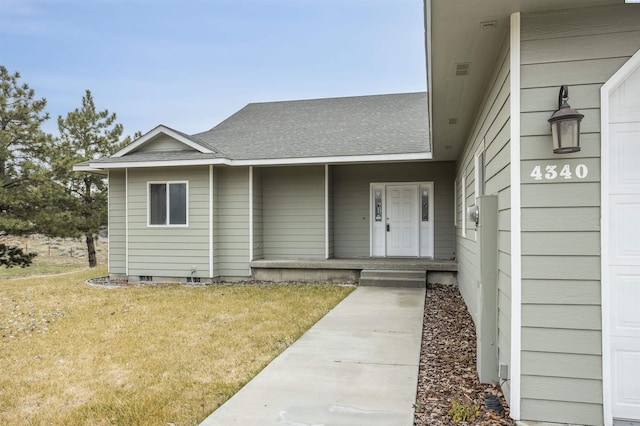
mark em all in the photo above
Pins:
pixel 565 125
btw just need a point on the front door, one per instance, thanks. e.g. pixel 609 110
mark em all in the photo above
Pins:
pixel 402 220
pixel 624 248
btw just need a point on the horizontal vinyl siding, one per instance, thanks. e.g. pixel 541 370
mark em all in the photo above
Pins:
pixel 293 212
pixel 117 222
pixel 163 143
pixel 232 230
pixel 258 240
pixel 169 251
pixel 561 339
pixel 351 198
pixel 492 125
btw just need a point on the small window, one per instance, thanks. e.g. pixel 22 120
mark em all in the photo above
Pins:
pixel 168 203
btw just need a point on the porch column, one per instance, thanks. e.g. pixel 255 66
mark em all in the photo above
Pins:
pixel 326 211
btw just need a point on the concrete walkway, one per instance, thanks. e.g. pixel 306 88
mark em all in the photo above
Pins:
pixel 357 366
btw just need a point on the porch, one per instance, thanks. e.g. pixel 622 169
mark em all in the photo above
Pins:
pixel 349 269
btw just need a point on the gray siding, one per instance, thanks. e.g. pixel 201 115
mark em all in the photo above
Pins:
pixel 164 143
pixel 491 126
pixel 293 212
pixel 232 222
pixel 351 219
pixel 169 251
pixel 258 233
pixel 561 340
pixel 117 222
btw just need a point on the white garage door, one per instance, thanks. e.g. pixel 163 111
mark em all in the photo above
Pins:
pixel 624 247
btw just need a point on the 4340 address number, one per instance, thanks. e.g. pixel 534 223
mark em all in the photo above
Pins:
pixel 553 172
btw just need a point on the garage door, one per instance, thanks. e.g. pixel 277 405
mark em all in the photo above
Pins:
pixel 624 247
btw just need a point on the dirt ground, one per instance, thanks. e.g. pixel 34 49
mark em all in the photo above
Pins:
pixel 447 383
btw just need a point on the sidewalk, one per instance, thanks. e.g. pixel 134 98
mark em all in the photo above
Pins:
pixel 357 366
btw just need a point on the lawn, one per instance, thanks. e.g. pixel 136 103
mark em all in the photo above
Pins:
pixel 75 354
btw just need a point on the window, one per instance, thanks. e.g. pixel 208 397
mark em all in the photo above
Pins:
pixel 167 203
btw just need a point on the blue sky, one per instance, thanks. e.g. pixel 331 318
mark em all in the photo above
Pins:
pixel 189 64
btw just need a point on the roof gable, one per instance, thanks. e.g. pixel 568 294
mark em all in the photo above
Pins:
pixel 163 139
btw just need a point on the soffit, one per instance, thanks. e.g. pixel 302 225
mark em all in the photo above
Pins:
pixel 470 32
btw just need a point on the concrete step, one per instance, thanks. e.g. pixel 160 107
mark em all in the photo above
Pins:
pixel 404 279
pixel 392 273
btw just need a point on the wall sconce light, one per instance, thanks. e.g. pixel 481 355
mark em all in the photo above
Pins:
pixel 565 125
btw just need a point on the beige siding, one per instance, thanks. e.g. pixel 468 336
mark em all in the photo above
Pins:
pixel 117 222
pixel 232 222
pixel 169 251
pixel 561 340
pixel 293 212
pixel 351 220
pixel 491 126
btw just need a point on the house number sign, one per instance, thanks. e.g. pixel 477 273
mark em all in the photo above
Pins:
pixel 564 172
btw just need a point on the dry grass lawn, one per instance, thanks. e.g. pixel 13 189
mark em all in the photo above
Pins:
pixel 74 354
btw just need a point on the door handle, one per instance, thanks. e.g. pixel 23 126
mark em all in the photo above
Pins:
pixel 388 228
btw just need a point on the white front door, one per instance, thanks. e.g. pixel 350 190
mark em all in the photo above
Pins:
pixel 624 248
pixel 402 220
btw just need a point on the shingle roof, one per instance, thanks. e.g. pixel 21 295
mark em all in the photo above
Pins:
pixel 362 125
pixel 332 127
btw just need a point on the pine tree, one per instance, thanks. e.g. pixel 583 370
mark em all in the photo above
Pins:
pixel 79 199
pixel 21 143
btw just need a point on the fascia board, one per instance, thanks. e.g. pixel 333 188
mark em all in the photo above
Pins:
pixel 266 162
pixel 89 169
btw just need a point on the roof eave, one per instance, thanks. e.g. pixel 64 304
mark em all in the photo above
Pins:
pixel 83 167
pixel 375 158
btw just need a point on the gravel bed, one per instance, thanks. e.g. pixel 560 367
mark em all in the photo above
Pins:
pixel 447 378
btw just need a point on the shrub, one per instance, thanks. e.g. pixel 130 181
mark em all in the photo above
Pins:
pixel 461 412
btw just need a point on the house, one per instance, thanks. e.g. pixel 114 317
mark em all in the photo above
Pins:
pixel 565 311
pixel 547 245
pixel 278 186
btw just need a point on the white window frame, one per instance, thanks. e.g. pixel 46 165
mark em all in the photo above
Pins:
pixel 463 192
pixel 455 202
pixel 168 204
pixel 480 170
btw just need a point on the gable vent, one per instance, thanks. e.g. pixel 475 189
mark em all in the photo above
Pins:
pixel 462 69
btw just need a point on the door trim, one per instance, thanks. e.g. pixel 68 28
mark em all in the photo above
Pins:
pixel 605 92
pixel 372 221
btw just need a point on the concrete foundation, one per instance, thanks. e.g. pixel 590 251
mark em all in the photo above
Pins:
pixel 442 277
pixel 306 275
